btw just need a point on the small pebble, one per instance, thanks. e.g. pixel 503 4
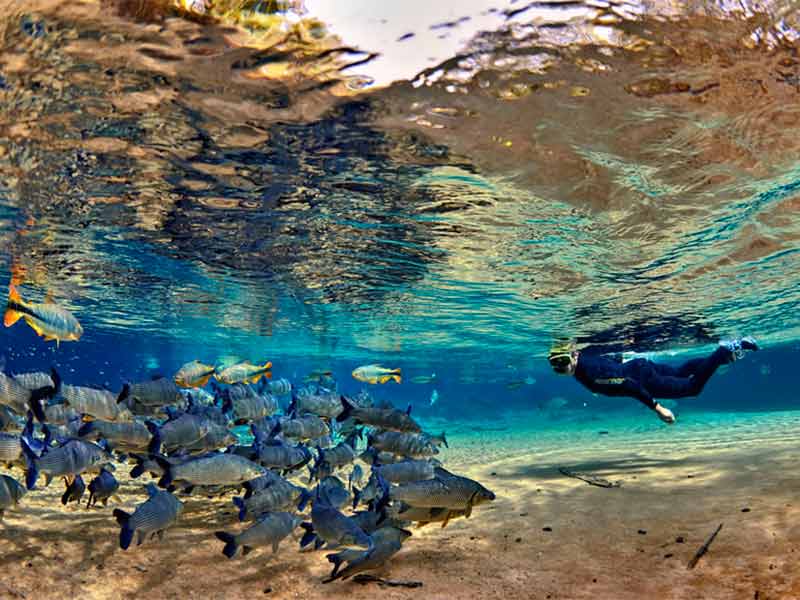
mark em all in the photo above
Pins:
pixel 518 540
pixel 745 509
pixel 268 590
pixel 679 539
pixel 594 580
pixel 99 567
pixel 472 537
pixel 547 529
pixel 523 514
pixel 493 473
pixel 690 476
pixel 602 433
pixel 29 565
pixel 668 556
pixel 642 532
pixel 771 567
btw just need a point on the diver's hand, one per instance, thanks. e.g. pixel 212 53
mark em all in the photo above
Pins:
pixel 665 414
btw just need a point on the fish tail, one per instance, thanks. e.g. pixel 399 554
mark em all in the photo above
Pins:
pixel 347 411
pixel 227 403
pixel 31 471
pixel 123 395
pixel 397 377
pixel 15 303
pixel 125 533
pixel 166 478
pixel 337 559
pixel 65 496
pixel 86 429
pixel 35 401
pixel 305 496
pixel 230 543
pixel 267 366
pixel 239 503
pixel 309 536
pixel 155 442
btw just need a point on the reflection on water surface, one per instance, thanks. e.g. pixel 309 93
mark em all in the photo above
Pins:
pixel 477 178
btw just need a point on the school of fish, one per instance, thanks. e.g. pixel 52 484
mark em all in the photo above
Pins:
pixel 345 474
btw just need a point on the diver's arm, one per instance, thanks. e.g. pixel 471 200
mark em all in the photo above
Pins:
pixel 635 389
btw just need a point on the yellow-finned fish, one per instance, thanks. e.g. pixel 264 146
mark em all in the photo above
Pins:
pixel 194 374
pixel 245 372
pixel 376 374
pixel 50 321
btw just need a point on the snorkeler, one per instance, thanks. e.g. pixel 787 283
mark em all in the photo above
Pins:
pixel 644 379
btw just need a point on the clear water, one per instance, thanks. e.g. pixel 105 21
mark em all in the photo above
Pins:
pixel 261 185
pixel 441 187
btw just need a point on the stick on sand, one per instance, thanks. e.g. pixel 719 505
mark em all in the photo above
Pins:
pixel 703 549
pixel 590 479
pixel 363 578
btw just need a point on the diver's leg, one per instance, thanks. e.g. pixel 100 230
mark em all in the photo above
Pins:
pixel 676 386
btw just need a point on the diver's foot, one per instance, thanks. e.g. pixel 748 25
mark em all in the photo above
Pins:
pixel 665 414
pixel 749 343
pixel 737 347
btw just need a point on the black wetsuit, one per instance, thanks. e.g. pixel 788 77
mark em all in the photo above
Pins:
pixel 645 380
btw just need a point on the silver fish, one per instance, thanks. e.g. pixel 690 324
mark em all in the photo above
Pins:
pixel 407 471
pixel 444 490
pixel 156 392
pixel 100 404
pixel 384 418
pixel 403 444
pixel 280 387
pixel 127 435
pixel 279 496
pixel 182 431
pixel 34 380
pixel 214 469
pixel 329 525
pixel 160 511
pixel 387 541
pixel 325 404
pixel 71 458
pixel 268 530
pixel 11 492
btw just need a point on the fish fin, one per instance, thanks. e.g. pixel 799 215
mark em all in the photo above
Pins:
pixel 467 513
pixel 87 418
pixel 125 532
pixel 239 503
pixel 254 378
pixel 140 538
pixel 309 536
pixel 275 545
pixel 446 519
pixel 444 440
pixel 408 410
pixel 123 395
pixel 166 478
pixel 203 381
pixel 12 315
pixel 35 401
pixel 32 472
pixel 305 496
pixel 421 524
pixel 347 409
pixel 397 377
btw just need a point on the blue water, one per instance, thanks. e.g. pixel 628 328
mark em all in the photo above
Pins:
pixel 310 184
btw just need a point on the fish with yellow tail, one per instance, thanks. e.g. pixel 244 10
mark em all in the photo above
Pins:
pixel 194 374
pixel 376 374
pixel 245 372
pixel 49 320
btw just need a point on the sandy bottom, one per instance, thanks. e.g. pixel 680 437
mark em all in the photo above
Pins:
pixel 677 483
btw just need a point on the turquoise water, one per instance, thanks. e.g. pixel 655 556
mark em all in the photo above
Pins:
pixel 440 189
